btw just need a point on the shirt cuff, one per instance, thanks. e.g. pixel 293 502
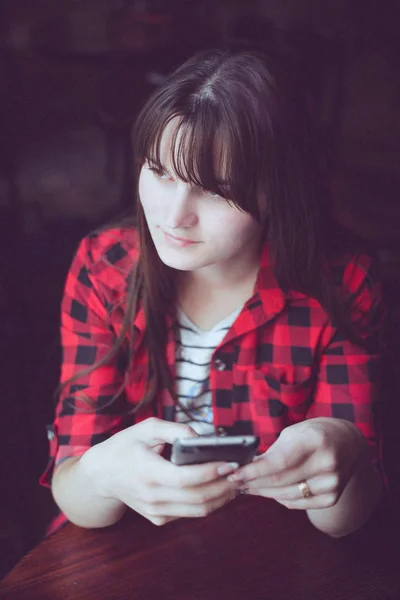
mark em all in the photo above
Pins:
pixel 57 454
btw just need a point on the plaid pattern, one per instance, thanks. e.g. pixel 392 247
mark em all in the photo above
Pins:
pixel 281 362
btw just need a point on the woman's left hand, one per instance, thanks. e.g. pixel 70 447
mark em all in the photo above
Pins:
pixel 323 452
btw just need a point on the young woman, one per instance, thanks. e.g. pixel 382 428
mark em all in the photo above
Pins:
pixel 229 309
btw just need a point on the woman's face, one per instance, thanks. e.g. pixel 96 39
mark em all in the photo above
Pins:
pixel 191 228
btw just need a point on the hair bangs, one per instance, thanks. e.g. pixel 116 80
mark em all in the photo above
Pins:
pixel 207 151
pixel 199 156
pixel 202 150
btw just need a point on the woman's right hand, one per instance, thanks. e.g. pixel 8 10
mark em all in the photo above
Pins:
pixel 128 467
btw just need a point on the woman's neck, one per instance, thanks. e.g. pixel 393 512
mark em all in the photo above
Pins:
pixel 209 295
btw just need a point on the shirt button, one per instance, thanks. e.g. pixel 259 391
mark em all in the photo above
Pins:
pixel 219 364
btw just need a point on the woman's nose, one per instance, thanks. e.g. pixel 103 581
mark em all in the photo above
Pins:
pixel 180 211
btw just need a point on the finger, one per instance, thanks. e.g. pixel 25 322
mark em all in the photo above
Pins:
pixel 291 459
pixel 272 466
pixel 158 471
pixel 313 503
pixel 202 494
pixel 153 500
pixel 163 473
pixel 288 453
pixel 156 431
pixel 320 485
pixel 158 520
pixel 191 510
pixel 313 465
pixel 191 476
pixel 158 448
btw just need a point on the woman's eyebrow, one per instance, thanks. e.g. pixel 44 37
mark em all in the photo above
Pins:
pixel 222 183
pixel 158 165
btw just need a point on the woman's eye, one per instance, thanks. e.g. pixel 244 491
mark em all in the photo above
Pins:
pixel 160 174
pixel 214 195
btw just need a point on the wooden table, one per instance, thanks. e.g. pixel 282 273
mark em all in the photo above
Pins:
pixel 252 549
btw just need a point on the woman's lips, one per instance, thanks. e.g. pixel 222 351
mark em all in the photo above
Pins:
pixel 177 241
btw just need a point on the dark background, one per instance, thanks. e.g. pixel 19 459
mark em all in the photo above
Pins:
pixel 72 77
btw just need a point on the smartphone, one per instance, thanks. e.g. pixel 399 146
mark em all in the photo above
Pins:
pixel 230 448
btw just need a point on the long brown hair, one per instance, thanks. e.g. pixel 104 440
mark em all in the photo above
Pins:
pixel 242 99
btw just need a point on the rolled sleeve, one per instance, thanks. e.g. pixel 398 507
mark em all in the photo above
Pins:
pixel 87 412
pixel 350 373
pixel 348 388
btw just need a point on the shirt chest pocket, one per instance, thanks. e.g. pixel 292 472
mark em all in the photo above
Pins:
pixel 274 398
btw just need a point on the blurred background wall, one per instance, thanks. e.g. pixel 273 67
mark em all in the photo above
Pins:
pixel 72 77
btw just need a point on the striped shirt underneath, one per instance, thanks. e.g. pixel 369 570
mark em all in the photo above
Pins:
pixel 194 350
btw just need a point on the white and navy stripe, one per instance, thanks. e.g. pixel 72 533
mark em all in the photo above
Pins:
pixel 194 350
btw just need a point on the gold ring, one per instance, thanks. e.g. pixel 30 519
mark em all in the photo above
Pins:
pixel 305 490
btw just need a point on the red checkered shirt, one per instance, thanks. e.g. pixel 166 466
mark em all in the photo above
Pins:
pixel 281 362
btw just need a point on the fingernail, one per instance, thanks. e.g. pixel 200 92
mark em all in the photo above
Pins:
pixel 243 491
pixel 235 477
pixel 227 468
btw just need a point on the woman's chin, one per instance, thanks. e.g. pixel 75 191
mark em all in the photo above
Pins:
pixel 178 265
pixel 172 259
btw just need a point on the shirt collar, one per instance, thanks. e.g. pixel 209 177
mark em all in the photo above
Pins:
pixel 267 301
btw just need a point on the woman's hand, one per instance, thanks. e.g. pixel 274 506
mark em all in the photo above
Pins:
pixel 128 467
pixel 323 452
